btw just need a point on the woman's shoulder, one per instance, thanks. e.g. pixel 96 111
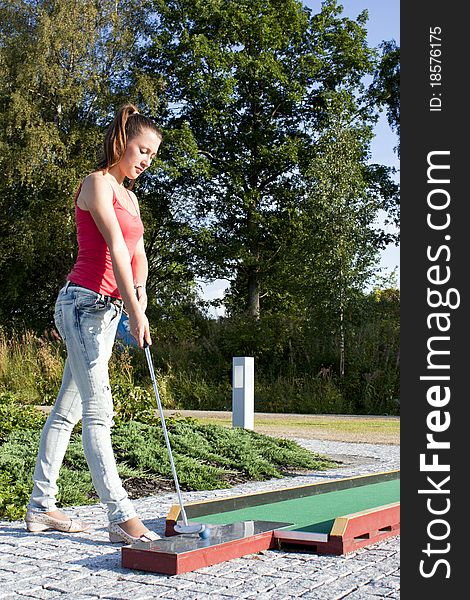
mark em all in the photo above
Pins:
pixel 97 183
pixel 94 188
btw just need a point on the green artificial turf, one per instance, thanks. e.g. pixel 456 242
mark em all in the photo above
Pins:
pixel 314 513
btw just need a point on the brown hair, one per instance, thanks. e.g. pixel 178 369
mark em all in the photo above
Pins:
pixel 127 124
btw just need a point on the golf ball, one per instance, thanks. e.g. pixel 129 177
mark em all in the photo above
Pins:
pixel 205 533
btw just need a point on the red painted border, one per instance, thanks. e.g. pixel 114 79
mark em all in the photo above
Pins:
pixel 354 531
pixel 175 564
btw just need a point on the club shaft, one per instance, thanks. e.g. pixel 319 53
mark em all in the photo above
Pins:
pixel 165 433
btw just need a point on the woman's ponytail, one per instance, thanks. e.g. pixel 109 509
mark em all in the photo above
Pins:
pixel 127 123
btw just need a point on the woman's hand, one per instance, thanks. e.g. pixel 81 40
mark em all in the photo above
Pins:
pixel 139 328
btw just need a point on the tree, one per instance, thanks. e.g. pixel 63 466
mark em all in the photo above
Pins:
pixel 64 69
pixel 386 85
pixel 342 242
pixel 247 86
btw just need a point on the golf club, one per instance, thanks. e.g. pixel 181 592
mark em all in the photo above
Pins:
pixel 183 527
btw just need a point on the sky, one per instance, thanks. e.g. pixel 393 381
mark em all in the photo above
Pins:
pixel 383 24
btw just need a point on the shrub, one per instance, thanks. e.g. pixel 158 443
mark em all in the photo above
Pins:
pixel 206 457
pixel 14 496
pixel 14 416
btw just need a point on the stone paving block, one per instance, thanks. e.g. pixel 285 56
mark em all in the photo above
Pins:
pixel 328 592
pixel 386 583
pixel 27 584
pixel 295 587
pixel 6 575
pixel 383 592
pixel 23 569
pixel 66 587
pixel 243 572
pixel 209 590
pixel 320 578
pixel 187 596
pixel 361 594
pixel 259 586
pixel 364 577
pixel 277 593
pixel 384 568
pixel 392 580
pixel 127 594
pixel 218 596
pixel 77 597
pixel 212 580
pixel 224 569
pixel 274 558
pixel 147 578
pixel 178 584
pixel 41 594
pixel 156 591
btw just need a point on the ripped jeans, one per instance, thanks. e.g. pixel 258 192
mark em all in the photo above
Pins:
pixel 87 322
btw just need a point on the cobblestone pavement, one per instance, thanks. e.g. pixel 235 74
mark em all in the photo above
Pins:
pixel 85 566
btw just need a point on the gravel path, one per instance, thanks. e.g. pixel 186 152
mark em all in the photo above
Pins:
pixel 86 566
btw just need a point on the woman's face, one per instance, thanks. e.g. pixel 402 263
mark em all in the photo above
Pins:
pixel 139 153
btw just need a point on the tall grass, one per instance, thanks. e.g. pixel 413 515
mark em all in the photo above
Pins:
pixel 30 367
pixel 197 376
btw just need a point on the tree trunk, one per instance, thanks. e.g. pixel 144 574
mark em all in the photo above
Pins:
pixel 253 295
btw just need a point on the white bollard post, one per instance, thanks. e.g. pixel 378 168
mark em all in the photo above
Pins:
pixel 243 392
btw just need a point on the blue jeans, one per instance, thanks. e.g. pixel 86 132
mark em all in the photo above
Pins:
pixel 87 322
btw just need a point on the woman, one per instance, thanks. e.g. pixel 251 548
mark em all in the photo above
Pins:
pixel 111 270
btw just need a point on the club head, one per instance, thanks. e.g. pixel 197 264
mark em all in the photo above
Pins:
pixel 190 528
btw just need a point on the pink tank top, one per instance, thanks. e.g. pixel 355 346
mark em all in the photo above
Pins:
pixel 93 268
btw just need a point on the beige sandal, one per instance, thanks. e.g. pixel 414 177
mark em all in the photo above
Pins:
pixel 37 521
pixel 117 534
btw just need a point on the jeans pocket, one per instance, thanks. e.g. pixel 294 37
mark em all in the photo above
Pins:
pixel 89 301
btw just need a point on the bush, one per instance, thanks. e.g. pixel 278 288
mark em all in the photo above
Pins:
pixel 302 395
pixel 296 363
pixel 194 391
pixel 206 457
pixel 14 496
pixel 133 403
pixel 17 457
pixel 14 416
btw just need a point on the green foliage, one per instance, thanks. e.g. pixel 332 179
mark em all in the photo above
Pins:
pixel 133 402
pixel 17 458
pixel 196 391
pixel 14 496
pixel 386 85
pixel 30 367
pixel 14 416
pixel 301 395
pixel 17 455
pixel 255 85
pixel 206 456
pixel 295 365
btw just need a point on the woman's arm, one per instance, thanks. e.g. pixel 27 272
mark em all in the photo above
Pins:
pixel 97 196
pixel 140 270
